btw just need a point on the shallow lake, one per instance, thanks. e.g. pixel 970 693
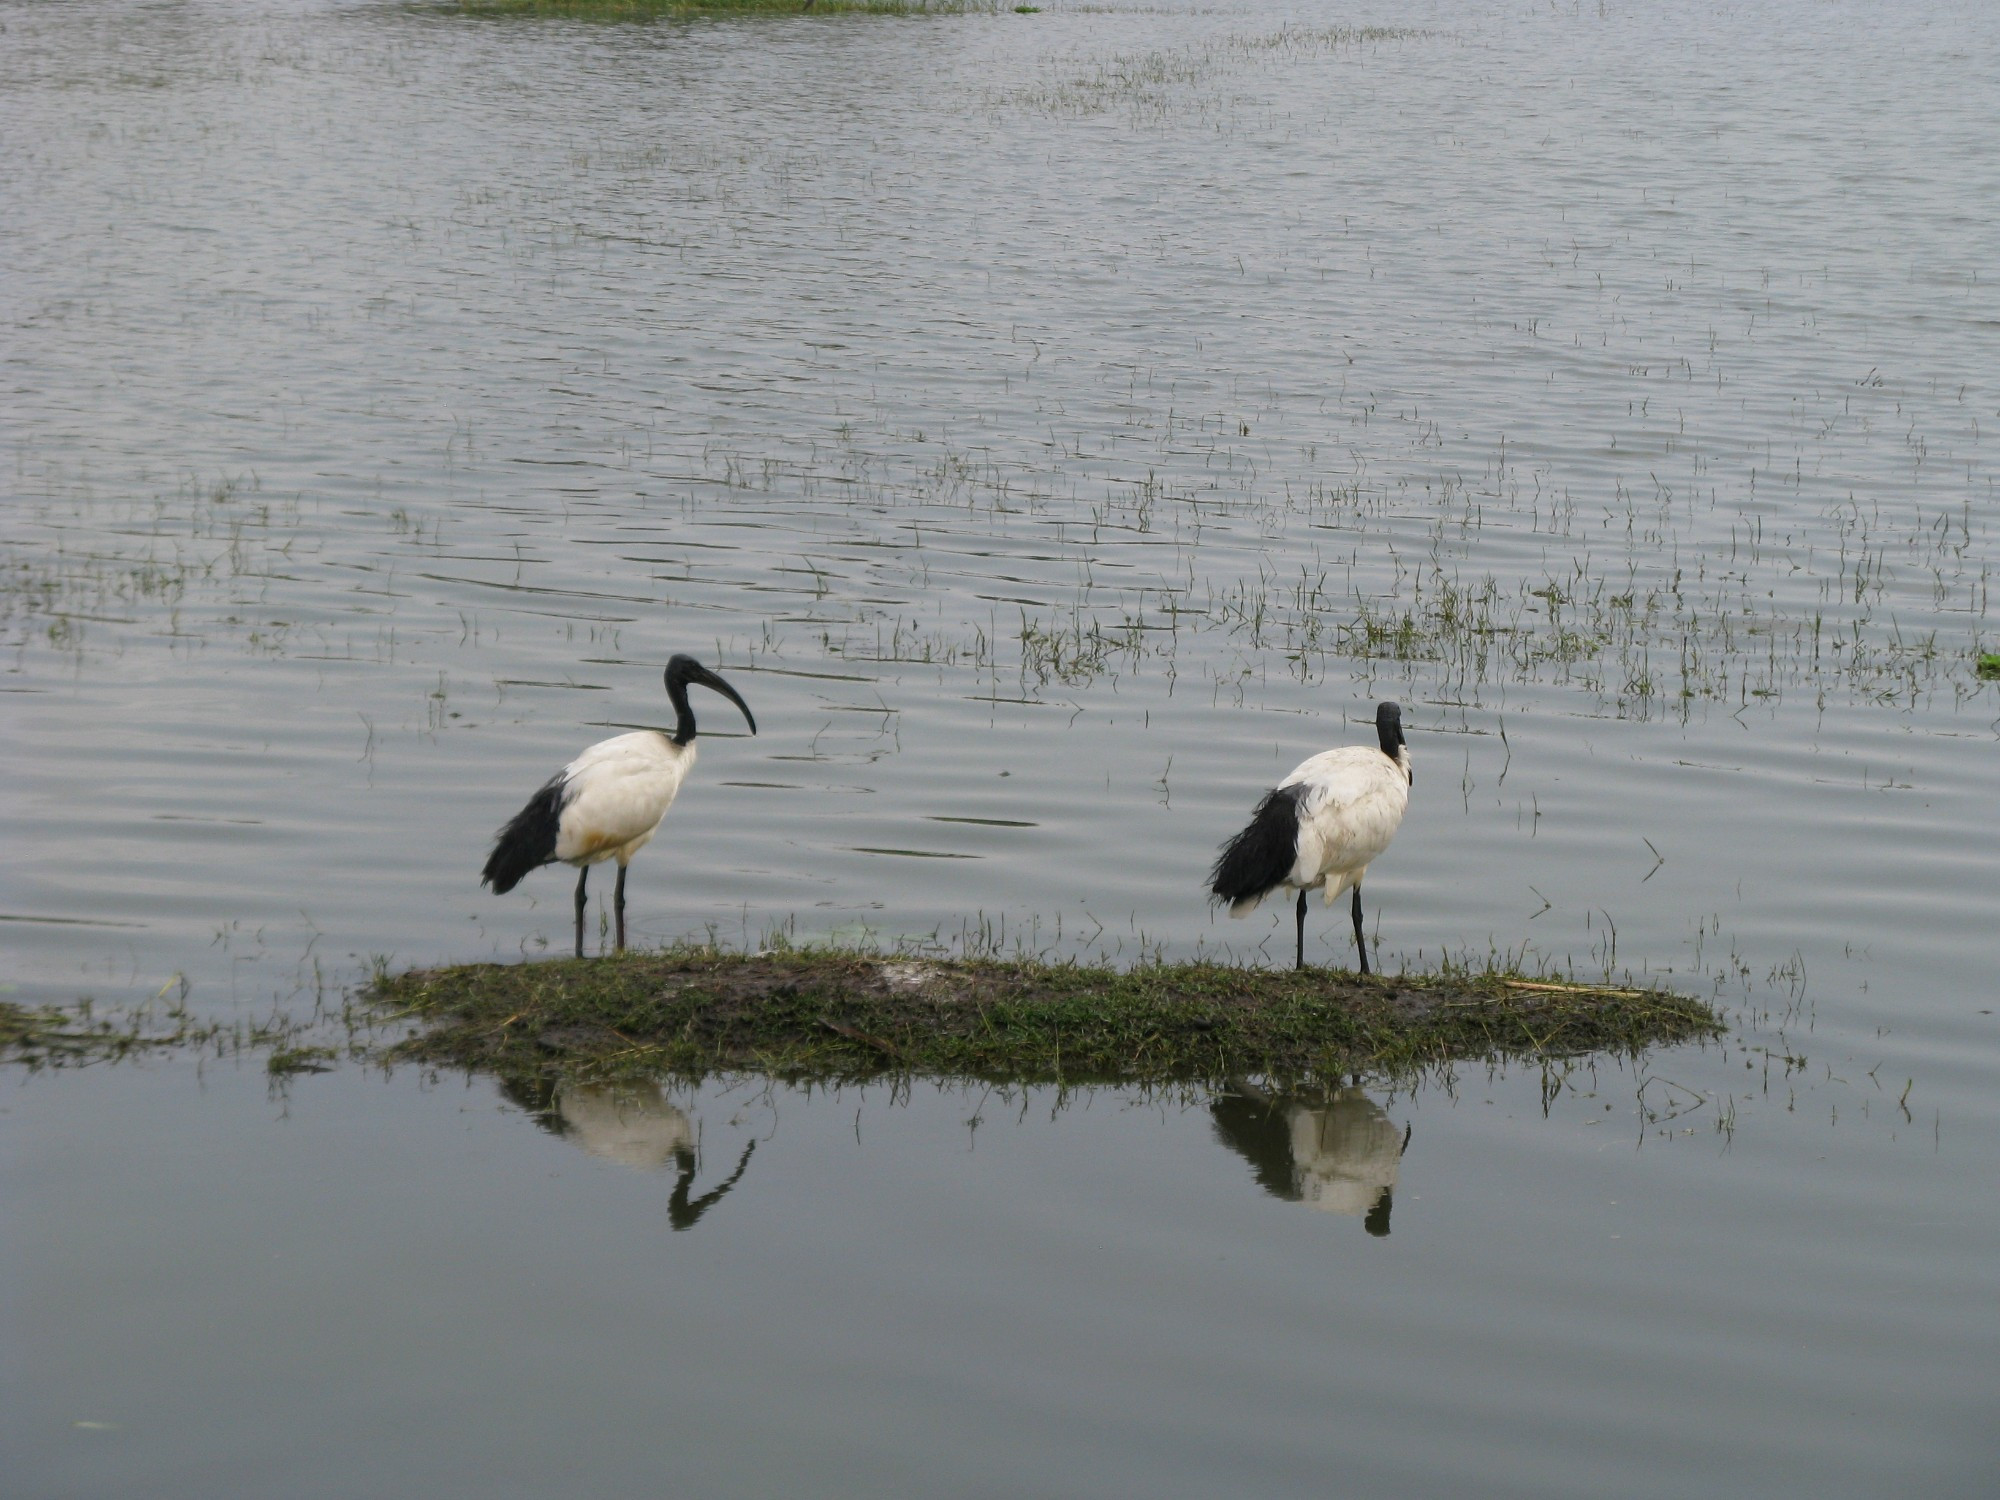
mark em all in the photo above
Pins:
pixel 1057 426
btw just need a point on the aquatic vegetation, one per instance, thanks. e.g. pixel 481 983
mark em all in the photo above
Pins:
pixel 289 1061
pixel 1650 626
pixel 75 1036
pixel 81 577
pixel 648 10
pixel 1171 85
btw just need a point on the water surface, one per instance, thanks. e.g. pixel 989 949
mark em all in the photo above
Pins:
pixel 1057 426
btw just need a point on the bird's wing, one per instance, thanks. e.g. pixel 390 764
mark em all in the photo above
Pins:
pixel 619 754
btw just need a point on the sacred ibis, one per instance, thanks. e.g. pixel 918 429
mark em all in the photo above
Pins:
pixel 1321 827
pixel 607 802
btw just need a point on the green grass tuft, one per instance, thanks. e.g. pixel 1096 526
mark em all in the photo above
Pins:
pixel 17 1027
pixel 1989 665
pixel 286 1061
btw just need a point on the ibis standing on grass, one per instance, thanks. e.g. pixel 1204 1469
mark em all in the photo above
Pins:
pixel 607 802
pixel 1321 827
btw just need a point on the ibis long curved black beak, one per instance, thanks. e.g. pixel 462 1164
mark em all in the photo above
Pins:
pixel 711 681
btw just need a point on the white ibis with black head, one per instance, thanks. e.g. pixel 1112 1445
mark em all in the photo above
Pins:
pixel 1321 827
pixel 607 802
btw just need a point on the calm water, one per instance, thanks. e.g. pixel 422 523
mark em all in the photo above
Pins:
pixel 1057 426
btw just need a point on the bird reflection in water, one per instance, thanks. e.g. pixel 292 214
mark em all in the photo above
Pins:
pixel 1342 1155
pixel 634 1125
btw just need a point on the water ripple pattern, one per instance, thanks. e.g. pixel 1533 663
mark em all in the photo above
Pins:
pixel 1058 426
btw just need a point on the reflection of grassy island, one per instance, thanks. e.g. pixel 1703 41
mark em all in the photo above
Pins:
pixel 645 10
pixel 691 1012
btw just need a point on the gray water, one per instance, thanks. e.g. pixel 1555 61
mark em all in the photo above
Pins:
pixel 1057 426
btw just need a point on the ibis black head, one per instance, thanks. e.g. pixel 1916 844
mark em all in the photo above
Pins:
pixel 682 670
pixel 1389 726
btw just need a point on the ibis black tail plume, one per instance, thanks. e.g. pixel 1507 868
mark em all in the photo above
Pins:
pixel 1259 858
pixel 528 841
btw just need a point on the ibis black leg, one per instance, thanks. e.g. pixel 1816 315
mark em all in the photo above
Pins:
pixel 618 906
pixel 582 901
pixel 1360 941
pixel 1302 930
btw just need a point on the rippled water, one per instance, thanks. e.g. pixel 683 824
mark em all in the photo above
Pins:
pixel 1057 426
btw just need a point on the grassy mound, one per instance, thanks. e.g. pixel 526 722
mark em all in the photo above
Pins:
pixel 796 1015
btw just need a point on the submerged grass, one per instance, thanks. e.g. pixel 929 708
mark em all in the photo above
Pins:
pixel 647 10
pixel 65 1038
pixel 79 1035
pixel 1163 84
pixel 695 1012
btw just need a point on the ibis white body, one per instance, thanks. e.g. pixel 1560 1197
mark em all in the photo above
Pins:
pixel 1352 804
pixel 615 794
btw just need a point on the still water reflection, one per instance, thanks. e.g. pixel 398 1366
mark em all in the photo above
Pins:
pixel 1341 1155
pixel 633 1124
